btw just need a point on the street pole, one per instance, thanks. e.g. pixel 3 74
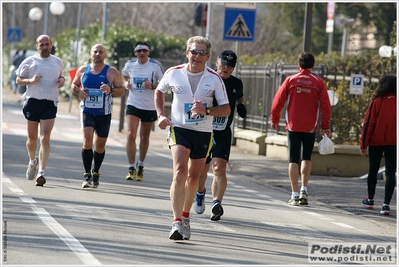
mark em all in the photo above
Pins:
pixel 208 23
pixel 75 60
pixel 346 23
pixel 330 38
pixel 344 41
pixel 105 6
pixel 45 27
pixel 307 27
pixel 13 21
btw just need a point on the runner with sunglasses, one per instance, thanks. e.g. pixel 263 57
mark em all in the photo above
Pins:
pixel 194 86
pixel 141 76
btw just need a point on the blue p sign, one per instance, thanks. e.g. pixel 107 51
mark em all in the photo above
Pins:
pixel 357 81
pixel 356 84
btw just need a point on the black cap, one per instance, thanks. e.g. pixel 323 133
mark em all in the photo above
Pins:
pixel 228 57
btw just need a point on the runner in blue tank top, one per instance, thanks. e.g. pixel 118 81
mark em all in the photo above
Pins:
pixel 98 103
pixel 96 84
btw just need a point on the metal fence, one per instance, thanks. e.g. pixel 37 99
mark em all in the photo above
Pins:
pixel 260 85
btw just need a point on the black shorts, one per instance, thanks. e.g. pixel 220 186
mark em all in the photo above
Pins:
pixel 200 143
pixel 296 141
pixel 36 110
pixel 100 123
pixel 222 145
pixel 144 115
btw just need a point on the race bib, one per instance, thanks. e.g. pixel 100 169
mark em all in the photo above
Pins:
pixel 220 123
pixel 95 98
pixel 138 83
pixel 188 116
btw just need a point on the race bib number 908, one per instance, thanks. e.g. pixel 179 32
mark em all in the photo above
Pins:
pixel 220 123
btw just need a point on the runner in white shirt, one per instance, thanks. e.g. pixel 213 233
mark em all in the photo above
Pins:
pixel 42 75
pixel 141 76
pixel 194 85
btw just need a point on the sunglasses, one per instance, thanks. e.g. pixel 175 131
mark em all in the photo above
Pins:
pixel 141 50
pixel 201 52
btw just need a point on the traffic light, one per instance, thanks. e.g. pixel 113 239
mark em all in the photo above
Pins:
pixel 198 15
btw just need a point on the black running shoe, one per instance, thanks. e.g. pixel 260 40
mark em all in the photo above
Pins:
pixel 368 203
pixel 140 173
pixel 217 211
pixel 385 210
pixel 40 181
pixel 96 178
pixel 87 180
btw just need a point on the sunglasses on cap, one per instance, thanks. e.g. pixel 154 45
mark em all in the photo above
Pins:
pixel 201 52
pixel 141 50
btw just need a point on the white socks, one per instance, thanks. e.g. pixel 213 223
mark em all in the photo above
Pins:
pixel 305 188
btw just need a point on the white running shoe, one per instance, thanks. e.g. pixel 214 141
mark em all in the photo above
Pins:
pixel 31 171
pixel 175 233
pixel 199 202
pixel 185 228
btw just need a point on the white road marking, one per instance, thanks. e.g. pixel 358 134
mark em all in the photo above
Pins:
pixel 206 224
pixel 263 196
pixel 238 186
pixel 250 191
pixel 301 231
pixel 57 228
pixel 15 189
pixel 65 236
pixel 319 216
pixel 28 200
pixel 344 225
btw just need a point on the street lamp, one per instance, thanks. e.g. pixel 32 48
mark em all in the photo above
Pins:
pixel 385 51
pixel 35 14
pixel 346 23
pixel 57 9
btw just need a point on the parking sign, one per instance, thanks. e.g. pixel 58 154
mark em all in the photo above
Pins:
pixel 356 84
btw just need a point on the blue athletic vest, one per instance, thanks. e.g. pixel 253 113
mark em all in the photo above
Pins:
pixel 97 103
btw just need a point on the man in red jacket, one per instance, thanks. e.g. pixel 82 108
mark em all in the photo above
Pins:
pixel 307 96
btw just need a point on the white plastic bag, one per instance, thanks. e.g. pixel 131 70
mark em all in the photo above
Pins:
pixel 326 146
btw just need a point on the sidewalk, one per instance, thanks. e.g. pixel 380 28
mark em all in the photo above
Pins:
pixel 341 192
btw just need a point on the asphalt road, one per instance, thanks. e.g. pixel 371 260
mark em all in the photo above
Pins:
pixel 128 222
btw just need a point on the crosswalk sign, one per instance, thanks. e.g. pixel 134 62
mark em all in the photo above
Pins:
pixel 14 35
pixel 239 28
pixel 239 25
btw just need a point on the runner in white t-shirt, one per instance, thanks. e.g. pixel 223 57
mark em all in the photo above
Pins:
pixel 141 76
pixel 42 74
pixel 194 85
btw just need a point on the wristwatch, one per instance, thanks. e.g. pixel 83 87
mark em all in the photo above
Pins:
pixel 112 88
pixel 208 111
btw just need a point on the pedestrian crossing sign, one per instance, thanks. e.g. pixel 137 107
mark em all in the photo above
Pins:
pixel 239 25
pixel 14 35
